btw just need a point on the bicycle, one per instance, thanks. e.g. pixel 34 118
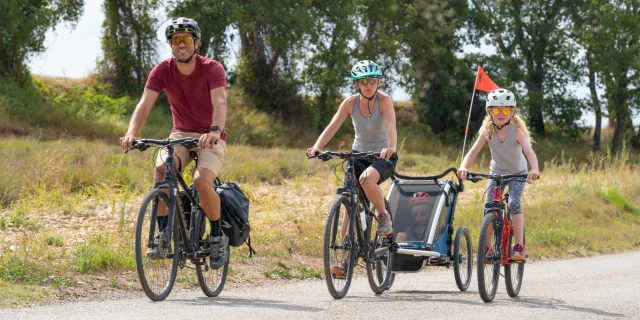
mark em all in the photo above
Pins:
pixel 157 270
pixel 495 246
pixel 346 243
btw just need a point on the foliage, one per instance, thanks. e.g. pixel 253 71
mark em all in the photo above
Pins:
pixel 531 39
pixel 128 44
pixel 23 28
pixel 326 71
pixel 610 31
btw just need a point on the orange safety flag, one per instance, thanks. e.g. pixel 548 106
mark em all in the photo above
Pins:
pixel 483 82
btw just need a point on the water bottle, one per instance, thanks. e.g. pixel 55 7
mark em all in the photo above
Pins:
pixel 363 217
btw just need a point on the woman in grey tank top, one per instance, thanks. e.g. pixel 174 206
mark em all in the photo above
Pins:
pixel 374 121
pixel 509 141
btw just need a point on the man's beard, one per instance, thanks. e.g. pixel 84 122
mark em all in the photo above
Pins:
pixel 187 60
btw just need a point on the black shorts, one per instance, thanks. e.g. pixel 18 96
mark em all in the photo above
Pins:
pixel 384 167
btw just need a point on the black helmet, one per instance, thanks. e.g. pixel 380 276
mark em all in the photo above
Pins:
pixel 182 25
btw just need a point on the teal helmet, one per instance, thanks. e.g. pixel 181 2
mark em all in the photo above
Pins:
pixel 365 69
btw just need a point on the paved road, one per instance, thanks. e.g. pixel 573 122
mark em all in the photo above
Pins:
pixel 605 287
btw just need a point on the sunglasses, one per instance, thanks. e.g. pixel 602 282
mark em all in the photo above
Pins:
pixel 175 41
pixel 496 111
pixel 364 82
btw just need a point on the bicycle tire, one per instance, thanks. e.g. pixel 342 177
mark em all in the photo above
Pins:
pixel 333 241
pixel 149 269
pixel 463 258
pixel 488 278
pixel 378 271
pixel 513 272
pixel 207 276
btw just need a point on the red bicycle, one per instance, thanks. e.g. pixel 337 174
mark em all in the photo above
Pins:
pixel 495 246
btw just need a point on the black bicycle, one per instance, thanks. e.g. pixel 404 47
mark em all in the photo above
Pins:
pixel 164 244
pixel 495 246
pixel 350 233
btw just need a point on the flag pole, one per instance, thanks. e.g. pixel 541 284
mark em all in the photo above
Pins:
pixel 466 130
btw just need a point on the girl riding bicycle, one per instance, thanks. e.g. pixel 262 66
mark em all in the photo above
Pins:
pixel 509 141
pixel 374 121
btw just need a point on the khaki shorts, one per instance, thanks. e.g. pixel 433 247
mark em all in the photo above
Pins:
pixel 209 159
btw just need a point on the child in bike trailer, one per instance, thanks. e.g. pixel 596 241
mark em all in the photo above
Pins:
pixel 420 205
pixel 196 89
pixel 509 141
pixel 374 121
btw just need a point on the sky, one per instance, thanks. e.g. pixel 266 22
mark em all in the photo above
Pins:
pixel 85 39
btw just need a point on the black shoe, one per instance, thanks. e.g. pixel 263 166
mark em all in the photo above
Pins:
pixel 158 251
pixel 218 251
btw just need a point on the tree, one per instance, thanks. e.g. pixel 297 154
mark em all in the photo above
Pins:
pixel 23 28
pixel 326 71
pixel 609 30
pixel 128 44
pixel 214 18
pixel 440 82
pixel 272 39
pixel 532 37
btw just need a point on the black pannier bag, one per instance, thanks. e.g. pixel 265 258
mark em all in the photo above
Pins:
pixel 234 214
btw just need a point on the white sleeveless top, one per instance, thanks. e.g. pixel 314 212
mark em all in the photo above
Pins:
pixel 371 134
pixel 507 157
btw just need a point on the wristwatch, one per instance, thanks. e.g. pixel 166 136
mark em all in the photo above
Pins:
pixel 215 128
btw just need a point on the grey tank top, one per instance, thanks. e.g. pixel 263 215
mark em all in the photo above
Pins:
pixel 507 156
pixel 371 134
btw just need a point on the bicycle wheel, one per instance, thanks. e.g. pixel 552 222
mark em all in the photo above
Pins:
pixel 513 272
pixel 157 271
pixel 211 280
pixel 462 258
pixel 380 261
pixel 339 251
pixel 489 257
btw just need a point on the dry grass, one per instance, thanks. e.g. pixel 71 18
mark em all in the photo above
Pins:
pixel 68 210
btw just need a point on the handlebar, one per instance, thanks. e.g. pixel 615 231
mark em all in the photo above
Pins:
pixel 476 176
pixel 434 177
pixel 144 144
pixel 328 155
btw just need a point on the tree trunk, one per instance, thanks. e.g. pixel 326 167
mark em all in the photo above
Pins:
pixel 596 102
pixel 259 82
pixel 536 120
pixel 620 99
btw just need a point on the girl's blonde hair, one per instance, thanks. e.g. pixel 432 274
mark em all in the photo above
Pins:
pixel 487 127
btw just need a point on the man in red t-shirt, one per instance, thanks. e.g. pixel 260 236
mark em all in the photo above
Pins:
pixel 196 89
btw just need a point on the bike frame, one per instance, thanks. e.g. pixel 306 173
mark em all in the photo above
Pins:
pixel 355 197
pixel 498 208
pixel 504 223
pixel 171 184
pixel 352 187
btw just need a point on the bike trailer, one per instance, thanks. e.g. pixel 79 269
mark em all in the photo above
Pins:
pixel 426 238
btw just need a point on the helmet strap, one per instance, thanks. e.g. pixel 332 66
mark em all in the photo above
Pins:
pixel 187 60
pixel 369 98
pixel 372 96
pixel 502 126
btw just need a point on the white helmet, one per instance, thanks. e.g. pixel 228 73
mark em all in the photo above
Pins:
pixel 501 98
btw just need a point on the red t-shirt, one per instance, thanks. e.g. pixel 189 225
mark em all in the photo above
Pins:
pixel 189 95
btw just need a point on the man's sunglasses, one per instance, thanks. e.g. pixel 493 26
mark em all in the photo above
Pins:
pixel 496 111
pixel 175 41
pixel 365 81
